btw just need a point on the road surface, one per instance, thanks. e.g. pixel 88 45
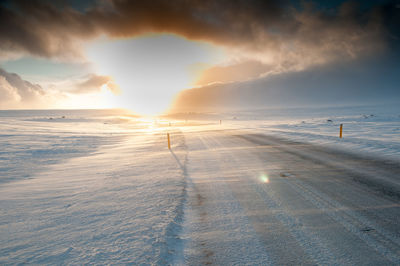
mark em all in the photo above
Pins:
pixel 258 200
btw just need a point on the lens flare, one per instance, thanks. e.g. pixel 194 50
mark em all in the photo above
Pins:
pixel 264 178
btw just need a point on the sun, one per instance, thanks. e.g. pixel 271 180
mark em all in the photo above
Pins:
pixel 151 69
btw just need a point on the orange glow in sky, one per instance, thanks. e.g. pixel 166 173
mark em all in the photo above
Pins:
pixel 150 70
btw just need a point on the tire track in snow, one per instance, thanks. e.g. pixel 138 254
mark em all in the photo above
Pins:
pixel 217 231
pixel 384 180
pixel 307 240
pixel 379 240
pixel 363 239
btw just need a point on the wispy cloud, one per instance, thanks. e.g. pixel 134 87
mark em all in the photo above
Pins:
pixel 94 83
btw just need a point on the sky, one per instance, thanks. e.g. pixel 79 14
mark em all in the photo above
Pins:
pixel 153 56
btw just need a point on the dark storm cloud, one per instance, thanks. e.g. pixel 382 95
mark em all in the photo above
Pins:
pixel 39 28
pixel 221 21
pixel 47 29
pixel 391 19
pixel 275 29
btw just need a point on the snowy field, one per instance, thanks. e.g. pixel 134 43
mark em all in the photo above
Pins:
pixel 87 188
pixel 372 130
pixel 84 187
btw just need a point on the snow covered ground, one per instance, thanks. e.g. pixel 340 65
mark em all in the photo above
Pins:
pixel 372 130
pixel 86 187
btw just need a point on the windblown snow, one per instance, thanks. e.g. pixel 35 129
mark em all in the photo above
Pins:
pixel 80 191
pixel 88 187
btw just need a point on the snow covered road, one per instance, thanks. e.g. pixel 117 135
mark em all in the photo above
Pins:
pixel 255 199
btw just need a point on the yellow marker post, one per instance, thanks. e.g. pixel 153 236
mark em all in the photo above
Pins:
pixel 169 142
pixel 341 131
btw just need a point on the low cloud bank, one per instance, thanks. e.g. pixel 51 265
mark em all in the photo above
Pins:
pixel 18 93
pixel 372 81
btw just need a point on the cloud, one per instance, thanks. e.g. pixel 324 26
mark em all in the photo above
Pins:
pixel 273 32
pixel 42 29
pixel 16 92
pixel 262 37
pixel 94 83
pixel 9 94
pixel 239 71
pixel 365 81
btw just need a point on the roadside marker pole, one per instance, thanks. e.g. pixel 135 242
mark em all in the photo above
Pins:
pixel 341 131
pixel 169 142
